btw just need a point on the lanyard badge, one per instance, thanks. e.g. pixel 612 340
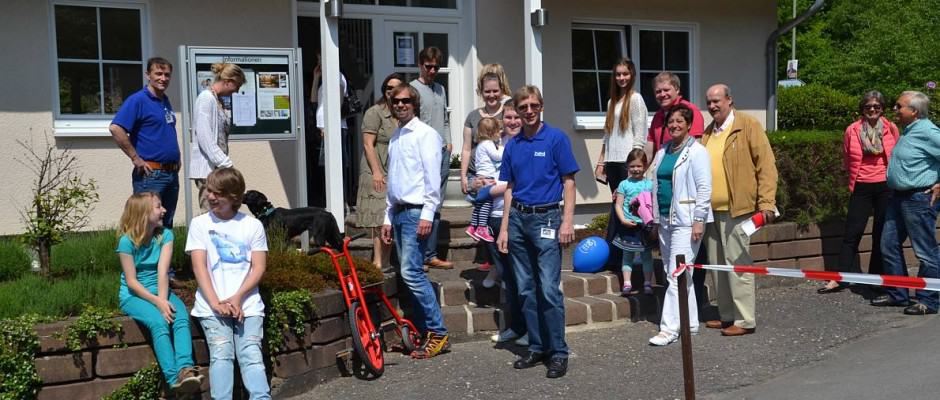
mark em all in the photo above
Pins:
pixel 168 115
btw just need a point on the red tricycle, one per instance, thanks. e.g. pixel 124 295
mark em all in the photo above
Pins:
pixel 367 343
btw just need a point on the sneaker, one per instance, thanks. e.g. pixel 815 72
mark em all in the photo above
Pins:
pixel 663 338
pixel 438 263
pixel 472 232
pixel 491 278
pixel 483 233
pixel 187 381
pixel 484 267
pixel 433 345
pixel 504 336
pixel 523 341
pixel 647 289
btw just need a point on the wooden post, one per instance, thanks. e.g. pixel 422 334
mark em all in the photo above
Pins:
pixel 685 333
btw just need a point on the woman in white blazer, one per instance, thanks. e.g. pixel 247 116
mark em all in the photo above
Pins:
pixel 682 191
pixel 211 126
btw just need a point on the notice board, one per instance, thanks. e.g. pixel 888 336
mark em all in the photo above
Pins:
pixel 268 105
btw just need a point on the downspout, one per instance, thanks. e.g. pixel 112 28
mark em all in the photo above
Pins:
pixel 772 61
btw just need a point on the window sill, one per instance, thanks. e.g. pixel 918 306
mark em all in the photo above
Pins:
pixel 589 122
pixel 82 128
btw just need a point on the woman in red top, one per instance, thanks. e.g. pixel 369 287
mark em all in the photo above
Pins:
pixel 867 147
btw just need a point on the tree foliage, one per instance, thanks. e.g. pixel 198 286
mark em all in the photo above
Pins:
pixel 856 46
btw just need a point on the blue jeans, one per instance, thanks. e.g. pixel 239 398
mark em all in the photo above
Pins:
pixel 166 184
pixel 427 312
pixel 174 350
pixel 503 264
pixel 430 252
pixel 910 215
pixel 536 262
pixel 227 340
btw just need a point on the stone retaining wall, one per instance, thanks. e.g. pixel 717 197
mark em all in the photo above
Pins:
pixel 108 362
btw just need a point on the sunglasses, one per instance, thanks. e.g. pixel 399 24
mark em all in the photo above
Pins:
pixel 402 100
pixel 431 67
pixel 873 107
pixel 527 107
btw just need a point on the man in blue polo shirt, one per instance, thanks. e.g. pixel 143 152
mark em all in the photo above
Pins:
pixel 145 129
pixel 539 168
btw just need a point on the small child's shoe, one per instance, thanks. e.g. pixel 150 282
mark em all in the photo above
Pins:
pixel 472 232
pixel 625 290
pixel 483 233
pixel 647 289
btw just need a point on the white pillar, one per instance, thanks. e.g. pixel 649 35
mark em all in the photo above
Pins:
pixel 332 100
pixel 533 46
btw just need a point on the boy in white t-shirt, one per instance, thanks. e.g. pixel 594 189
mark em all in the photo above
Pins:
pixel 229 250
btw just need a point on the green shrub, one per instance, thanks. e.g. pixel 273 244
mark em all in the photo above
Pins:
pixel 14 261
pixel 89 252
pixel 93 321
pixel 181 260
pixel 18 345
pixel 286 311
pixel 599 222
pixel 812 185
pixel 58 298
pixel 815 106
pixel 145 384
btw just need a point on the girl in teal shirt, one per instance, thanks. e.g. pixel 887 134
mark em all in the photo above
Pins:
pixel 145 249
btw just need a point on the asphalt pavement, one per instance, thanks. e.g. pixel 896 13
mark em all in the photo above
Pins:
pixel 807 346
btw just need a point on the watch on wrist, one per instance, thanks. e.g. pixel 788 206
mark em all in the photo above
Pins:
pixel 698 219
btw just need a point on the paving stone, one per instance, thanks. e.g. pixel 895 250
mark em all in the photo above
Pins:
pixel 327 330
pixel 484 319
pixel 601 311
pixel 796 248
pixel 572 286
pixel 321 356
pixel 48 334
pixel 455 318
pixel 329 303
pixel 454 293
pixel 621 304
pixel 122 361
pixel 775 233
pixel 760 251
pixel 575 313
pixel 65 368
pixel 95 389
pixel 291 364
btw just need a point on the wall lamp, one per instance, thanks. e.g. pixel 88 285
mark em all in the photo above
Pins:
pixel 539 17
pixel 334 8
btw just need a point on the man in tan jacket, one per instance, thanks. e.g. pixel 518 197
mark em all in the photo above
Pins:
pixel 744 181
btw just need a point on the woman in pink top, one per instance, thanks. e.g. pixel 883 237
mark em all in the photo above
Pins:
pixel 867 147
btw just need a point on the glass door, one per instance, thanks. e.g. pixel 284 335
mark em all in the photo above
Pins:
pixel 403 42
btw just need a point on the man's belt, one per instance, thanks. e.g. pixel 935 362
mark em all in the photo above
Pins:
pixel 909 192
pixel 405 206
pixel 534 209
pixel 172 167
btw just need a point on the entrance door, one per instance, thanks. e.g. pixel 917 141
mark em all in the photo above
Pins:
pixel 399 53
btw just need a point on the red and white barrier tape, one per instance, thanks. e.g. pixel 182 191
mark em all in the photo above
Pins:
pixel 909 282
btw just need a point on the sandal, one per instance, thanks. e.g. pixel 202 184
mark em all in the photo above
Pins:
pixel 625 290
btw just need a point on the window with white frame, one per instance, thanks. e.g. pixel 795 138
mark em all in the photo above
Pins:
pixel 653 49
pixel 99 54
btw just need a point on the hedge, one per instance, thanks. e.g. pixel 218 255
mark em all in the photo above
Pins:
pixel 815 107
pixel 812 186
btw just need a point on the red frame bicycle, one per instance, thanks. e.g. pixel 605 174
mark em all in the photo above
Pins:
pixel 367 343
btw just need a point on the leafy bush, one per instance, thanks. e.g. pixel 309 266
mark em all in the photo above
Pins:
pixel 145 384
pixel 812 185
pixel 815 106
pixel 89 252
pixel 286 311
pixel 181 260
pixel 14 261
pixel 18 345
pixel 93 321
pixel 599 222
pixel 58 298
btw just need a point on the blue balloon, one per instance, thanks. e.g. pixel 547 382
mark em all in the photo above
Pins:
pixel 591 255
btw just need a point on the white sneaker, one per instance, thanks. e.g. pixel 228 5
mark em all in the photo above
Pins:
pixel 491 278
pixel 523 341
pixel 504 336
pixel 663 338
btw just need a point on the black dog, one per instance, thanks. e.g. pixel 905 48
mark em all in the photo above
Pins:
pixel 318 222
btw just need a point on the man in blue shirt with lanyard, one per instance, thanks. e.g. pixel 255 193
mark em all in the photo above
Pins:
pixel 539 168
pixel 145 129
